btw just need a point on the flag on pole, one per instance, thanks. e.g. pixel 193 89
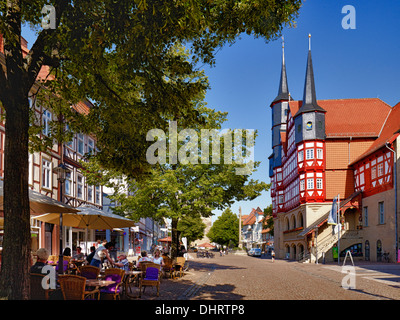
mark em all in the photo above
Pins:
pixel 332 218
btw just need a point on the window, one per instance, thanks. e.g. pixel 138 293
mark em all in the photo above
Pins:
pixel 79 187
pixel 46 122
pixel 30 163
pixel 319 183
pixel 279 176
pixel 301 155
pixel 365 209
pixel 69 144
pixel 90 146
pixel 310 184
pixel 320 153
pixel 98 194
pixel 280 199
pixel 380 169
pixel 373 173
pixel 302 185
pixel 81 145
pixel 90 194
pixel 381 206
pixel 68 183
pixel 46 174
pixel 309 125
pixel 309 154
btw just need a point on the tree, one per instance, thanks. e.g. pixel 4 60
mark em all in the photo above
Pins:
pixel 268 221
pixel 192 228
pixel 118 55
pixel 185 190
pixel 225 230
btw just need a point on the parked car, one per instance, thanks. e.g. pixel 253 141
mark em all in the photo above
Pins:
pixel 256 252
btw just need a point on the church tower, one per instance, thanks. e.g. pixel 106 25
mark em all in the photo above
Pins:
pixel 279 113
pixel 310 137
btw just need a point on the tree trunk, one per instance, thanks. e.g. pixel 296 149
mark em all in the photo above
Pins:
pixel 174 238
pixel 17 238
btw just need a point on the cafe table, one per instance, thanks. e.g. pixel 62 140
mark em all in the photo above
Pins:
pixel 130 276
pixel 97 283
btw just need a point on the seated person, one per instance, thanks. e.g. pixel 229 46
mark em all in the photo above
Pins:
pixel 143 258
pixel 91 254
pixel 158 258
pixel 123 262
pixel 79 254
pixel 42 256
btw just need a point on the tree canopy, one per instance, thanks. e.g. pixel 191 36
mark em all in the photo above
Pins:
pixel 225 230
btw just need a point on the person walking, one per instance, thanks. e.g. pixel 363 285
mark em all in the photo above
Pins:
pixel 273 255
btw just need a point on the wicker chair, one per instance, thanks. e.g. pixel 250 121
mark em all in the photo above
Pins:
pixel 179 265
pixel 89 272
pixel 73 288
pixel 37 292
pixel 117 275
pixel 151 278
pixel 168 267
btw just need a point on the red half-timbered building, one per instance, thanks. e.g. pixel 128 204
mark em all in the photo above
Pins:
pixel 323 149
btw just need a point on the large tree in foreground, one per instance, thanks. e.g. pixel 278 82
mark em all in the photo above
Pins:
pixel 114 53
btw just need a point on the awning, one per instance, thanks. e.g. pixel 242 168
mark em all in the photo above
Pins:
pixel 322 220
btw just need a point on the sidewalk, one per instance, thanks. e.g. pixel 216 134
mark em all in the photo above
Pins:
pixel 181 288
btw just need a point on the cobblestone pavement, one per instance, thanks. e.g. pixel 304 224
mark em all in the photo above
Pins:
pixel 239 277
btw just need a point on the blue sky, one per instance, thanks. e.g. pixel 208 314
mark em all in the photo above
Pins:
pixel 359 63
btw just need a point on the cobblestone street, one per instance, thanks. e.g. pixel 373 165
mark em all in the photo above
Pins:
pixel 239 277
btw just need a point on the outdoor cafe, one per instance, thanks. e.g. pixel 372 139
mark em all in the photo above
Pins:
pixel 79 280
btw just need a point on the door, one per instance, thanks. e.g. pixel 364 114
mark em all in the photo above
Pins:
pixel 367 251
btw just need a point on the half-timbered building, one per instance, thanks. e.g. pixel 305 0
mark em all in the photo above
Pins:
pixel 324 149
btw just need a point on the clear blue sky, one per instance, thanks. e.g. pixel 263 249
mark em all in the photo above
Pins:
pixel 360 63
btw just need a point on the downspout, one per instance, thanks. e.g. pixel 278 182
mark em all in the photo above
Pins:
pixel 395 193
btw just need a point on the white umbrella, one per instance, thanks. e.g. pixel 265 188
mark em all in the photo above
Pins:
pixel 40 203
pixel 90 218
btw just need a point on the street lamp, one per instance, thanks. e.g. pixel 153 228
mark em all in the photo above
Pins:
pixel 61 171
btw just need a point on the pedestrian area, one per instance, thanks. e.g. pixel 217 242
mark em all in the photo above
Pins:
pixel 183 287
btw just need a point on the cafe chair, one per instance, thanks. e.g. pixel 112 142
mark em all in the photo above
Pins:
pixel 36 291
pixel 73 288
pixel 89 272
pixel 152 278
pixel 113 291
pixel 179 266
pixel 168 267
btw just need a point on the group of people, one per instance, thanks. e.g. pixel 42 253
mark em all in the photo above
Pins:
pixel 95 258
pixel 157 258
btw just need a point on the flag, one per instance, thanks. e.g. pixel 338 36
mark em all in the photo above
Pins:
pixel 332 218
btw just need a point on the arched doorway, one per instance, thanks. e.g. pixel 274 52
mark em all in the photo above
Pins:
pixel 287 252
pixel 367 251
pixel 379 251
pixel 294 255
pixel 301 253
